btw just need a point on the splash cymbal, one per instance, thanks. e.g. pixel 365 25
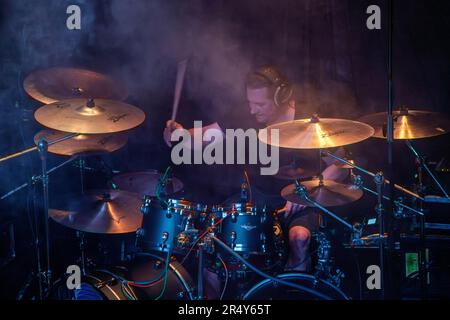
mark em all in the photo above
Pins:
pixel 84 144
pixel 326 192
pixel 55 84
pixel 317 133
pixel 89 116
pixel 100 211
pixel 409 124
pixel 145 183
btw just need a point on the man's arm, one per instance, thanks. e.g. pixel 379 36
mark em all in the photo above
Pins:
pixel 172 125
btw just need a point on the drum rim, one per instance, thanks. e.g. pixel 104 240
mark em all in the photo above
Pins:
pixel 264 282
pixel 181 273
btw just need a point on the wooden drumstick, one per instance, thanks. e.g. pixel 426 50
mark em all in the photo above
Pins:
pixel 181 70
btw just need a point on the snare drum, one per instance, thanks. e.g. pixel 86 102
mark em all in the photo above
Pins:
pixel 170 224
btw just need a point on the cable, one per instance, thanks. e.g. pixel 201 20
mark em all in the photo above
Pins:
pixel 265 275
pixel 152 282
pixel 203 235
pixel 166 278
pixel 226 277
pixel 249 186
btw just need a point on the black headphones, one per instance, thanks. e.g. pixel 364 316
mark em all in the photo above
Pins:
pixel 283 90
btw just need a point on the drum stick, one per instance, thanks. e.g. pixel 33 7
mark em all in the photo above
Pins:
pixel 181 70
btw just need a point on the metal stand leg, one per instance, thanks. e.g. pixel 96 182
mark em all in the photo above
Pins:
pixel 43 147
pixel 379 181
pixel 200 275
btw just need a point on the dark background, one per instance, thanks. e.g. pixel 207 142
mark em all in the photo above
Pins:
pixel 320 43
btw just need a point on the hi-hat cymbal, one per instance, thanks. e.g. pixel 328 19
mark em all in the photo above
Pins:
pixel 55 84
pixel 101 211
pixel 84 144
pixel 317 133
pixel 409 124
pixel 327 193
pixel 89 116
pixel 145 183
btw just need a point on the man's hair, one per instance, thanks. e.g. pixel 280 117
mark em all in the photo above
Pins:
pixel 264 77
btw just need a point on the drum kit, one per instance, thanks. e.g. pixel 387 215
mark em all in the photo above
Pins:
pixel 84 115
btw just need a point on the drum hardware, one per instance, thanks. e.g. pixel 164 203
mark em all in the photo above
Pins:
pixel 148 183
pixel 396 186
pixel 36 148
pixel 36 178
pixel 423 164
pixel 325 192
pixel 265 275
pixel 83 144
pixel 301 191
pixel 80 236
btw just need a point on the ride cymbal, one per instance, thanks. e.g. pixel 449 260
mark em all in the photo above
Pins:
pixel 409 124
pixel 100 211
pixel 55 84
pixel 83 144
pixel 145 183
pixel 317 133
pixel 326 192
pixel 89 116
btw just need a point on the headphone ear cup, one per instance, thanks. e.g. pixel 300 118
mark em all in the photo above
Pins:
pixel 282 94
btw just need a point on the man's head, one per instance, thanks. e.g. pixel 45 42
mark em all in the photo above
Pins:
pixel 268 92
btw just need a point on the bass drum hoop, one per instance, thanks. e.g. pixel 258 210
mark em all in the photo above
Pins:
pixel 292 276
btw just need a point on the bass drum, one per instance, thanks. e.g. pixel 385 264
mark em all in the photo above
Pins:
pixel 105 284
pixel 270 290
pixel 146 267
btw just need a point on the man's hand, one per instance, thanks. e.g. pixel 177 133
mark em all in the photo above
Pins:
pixel 171 126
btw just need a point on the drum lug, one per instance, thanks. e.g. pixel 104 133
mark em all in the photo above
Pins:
pixel 140 232
pixel 164 237
pixel 145 207
pixel 233 239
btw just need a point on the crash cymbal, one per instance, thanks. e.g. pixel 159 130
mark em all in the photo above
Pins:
pixel 55 84
pixel 145 182
pixel 100 211
pixel 317 133
pixel 84 144
pixel 327 193
pixel 409 124
pixel 89 116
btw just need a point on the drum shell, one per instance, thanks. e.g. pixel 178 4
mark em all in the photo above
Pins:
pixel 162 223
pixel 248 231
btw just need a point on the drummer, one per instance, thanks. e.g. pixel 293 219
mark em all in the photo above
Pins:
pixel 271 99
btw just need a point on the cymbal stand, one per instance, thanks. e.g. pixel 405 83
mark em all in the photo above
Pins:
pixel 354 166
pixel 43 150
pixel 303 193
pixel 379 181
pixel 423 164
pixel 35 148
pixel 422 232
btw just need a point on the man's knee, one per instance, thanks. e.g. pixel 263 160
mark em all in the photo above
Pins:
pixel 299 234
